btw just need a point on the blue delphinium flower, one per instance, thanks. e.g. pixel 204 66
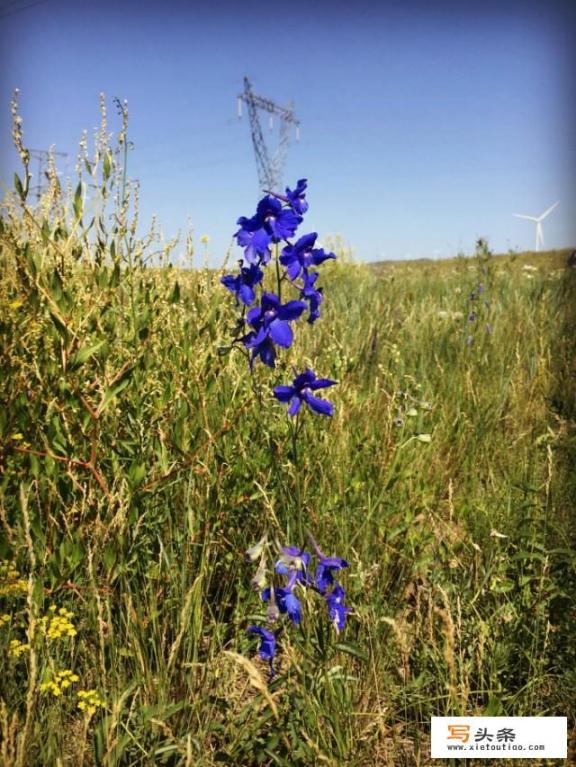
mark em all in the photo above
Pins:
pixel 337 610
pixel 267 649
pixel 271 223
pixel 270 323
pixel 301 391
pixel 255 240
pixel 261 345
pixel 325 570
pixel 285 599
pixel 302 255
pixel 280 222
pixel 312 295
pixel 243 284
pixel 296 198
pixel 293 559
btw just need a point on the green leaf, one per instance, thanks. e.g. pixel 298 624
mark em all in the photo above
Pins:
pixel 78 205
pixel 19 187
pixel 349 649
pixel 60 327
pixel 111 393
pixel 136 473
pixel 106 167
pixel 175 297
pixel 46 232
pixel 84 353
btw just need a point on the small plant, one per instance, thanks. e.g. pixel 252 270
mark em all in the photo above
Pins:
pixel 478 307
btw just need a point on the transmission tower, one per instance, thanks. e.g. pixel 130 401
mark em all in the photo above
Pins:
pixel 42 156
pixel 270 165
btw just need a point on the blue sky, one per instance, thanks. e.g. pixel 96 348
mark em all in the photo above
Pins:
pixel 422 127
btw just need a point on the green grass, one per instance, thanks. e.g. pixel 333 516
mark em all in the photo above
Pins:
pixel 139 461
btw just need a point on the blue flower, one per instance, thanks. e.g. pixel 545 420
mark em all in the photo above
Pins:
pixel 325 570
pixel 270 323
pixel 280 222
pixel 285 599
pixel 255 240
pixel 267 649
pixel 312 295
pixel 242 285
pixel 271 223
pixel 294 559
pixel 301 391
pixel 337 610
pixel 262 346
pixel 303 255
pixel 296 198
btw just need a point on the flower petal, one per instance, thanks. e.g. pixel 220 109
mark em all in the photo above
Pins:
pixel 295 406
pixel 281 333
pixel 246 294
pixel 284 393
pixel 291 310
pixel 322 383
pixel 321 406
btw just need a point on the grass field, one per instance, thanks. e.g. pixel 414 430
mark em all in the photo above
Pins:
pixel 139 461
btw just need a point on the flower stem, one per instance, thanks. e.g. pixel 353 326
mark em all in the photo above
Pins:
pixel 278 275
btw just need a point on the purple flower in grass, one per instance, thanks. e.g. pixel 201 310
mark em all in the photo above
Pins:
pixel 261 345
pixel 285 599
pixel 243 284
pixel 325 570
pixel 301 391
pixel 280 222
pixel 267 649
pixel 271 325
pixel 302 255
pixel 255 240
pixel 271 223
pixel 296 198
pixel 312 295
pixel 337 610
pixel 293 559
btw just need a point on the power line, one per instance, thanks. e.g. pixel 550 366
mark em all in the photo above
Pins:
pixel 270 166
pixel 42 156
pixel 22 8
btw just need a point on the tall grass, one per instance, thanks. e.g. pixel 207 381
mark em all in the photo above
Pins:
pixel 135 470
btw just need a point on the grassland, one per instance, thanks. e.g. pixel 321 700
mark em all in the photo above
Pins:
pixel 139 460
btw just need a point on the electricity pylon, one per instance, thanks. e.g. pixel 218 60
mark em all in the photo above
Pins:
pixel 42 156
pixel 270 165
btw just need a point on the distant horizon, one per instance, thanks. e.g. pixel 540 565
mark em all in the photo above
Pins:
pixel 422 129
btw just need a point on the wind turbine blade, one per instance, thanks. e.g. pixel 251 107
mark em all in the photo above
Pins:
pixel 530 218
pixel 550 209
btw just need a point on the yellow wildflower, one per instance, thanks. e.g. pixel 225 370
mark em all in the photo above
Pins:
pixel 58 623
pixel 16 648
pixel 62 681
pixel 89 701
pixel 11 583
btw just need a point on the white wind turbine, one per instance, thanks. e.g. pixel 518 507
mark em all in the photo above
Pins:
pixel 538 220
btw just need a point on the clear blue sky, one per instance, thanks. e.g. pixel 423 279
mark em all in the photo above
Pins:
pixel 423 127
